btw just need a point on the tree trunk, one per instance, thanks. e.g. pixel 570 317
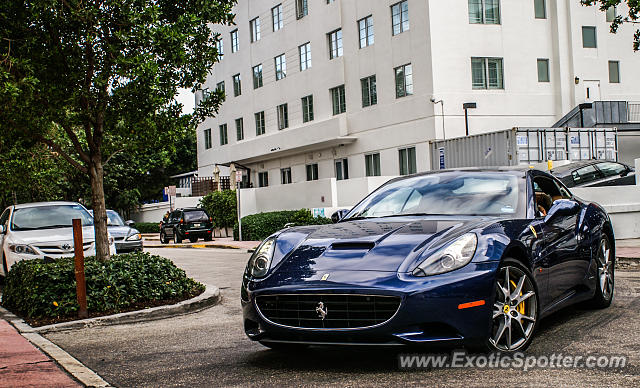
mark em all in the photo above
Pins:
pixel 96 175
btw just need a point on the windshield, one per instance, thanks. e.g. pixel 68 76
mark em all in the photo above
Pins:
pixel 48 217
pixel 449 193
pixel 114 219
pixel 196 216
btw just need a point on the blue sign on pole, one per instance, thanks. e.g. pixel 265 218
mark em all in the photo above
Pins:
pixel 441 152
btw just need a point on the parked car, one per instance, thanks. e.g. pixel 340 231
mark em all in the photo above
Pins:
pixel 188 223
pixel 593 173
pixel 127 238
pixel 469 257
pixel 44 230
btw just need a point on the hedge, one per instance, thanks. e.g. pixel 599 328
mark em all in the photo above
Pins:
pixel 222 207
pixel 148 227
pixel 35 289
pixel 257 227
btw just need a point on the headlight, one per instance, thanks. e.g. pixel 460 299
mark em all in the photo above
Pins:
pixel 260 261
pixel 135 237
pixel 22 249
pixel 111 240
pixel 454 256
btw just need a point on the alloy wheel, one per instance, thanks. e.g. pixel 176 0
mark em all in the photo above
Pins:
pixel 605 269
pixel 514 310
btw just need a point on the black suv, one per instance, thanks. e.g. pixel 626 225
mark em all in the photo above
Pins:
pixel 595 173
pixel 191 223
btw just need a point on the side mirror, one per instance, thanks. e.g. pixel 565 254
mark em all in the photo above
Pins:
pixel 2 229
pixel 130 223
pixel 562 208
pixel 338 215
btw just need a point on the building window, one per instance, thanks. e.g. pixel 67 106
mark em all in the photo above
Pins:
pixel 234 41
pixel 342 169
pixel 330 1
pixel 276 15
pixel 237 85
pixel 540 7
pixel 407 160
pixel 302 9
pixel 404 81
pixel 220 48
pixel 487 73
pixel 543 70
pixel 365 28
pixel 372 164
pixel 307 108
pixel 257 76
pixel 281 67
pixel 254 25
pixel 220 87
pixel 312 172
pixel 484 11
pixel 335 44
pixel 611 14
pixel 239 129
pixel 205 94
pixel 283 116
pixel 338 100
pixel 589 37
pixel 369 92
pixel 614 72
pixel 400 17
pixel 260 127
pixel 207 138
pixel 263 179
pixel 224 139
pixel 305 56
pixel 285 175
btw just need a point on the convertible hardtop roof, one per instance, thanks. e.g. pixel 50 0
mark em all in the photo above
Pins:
pixel 567 168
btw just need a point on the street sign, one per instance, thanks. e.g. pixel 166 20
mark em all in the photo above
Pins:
pixel 441 152
pixel 170 191
pixel 239 176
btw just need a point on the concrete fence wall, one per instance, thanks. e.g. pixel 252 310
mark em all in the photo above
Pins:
pixel 621 202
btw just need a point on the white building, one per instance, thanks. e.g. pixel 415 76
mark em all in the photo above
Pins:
pixel 334 89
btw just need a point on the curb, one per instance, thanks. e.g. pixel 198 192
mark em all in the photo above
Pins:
pixel 210 297
pixel 193 246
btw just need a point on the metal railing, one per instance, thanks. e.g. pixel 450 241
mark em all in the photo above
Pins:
pixel 205 185
pixel 633 111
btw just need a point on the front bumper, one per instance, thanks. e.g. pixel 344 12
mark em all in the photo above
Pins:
pixel 429 311
pixel 129 246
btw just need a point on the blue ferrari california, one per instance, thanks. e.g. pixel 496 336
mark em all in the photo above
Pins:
pixel 470 257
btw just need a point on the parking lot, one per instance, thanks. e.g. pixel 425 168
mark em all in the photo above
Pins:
pixel 209 348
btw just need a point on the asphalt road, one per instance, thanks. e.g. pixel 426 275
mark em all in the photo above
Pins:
pixel 209 348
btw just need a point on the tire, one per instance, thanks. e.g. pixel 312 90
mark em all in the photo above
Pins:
pixel 284 347
pixel 515 309
pixel 176 238
pixel 193 239
pixel 605 275
pixel 163 237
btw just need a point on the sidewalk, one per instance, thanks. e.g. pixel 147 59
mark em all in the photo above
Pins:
pixel 24 365
pixel 628 249
pixel 153 241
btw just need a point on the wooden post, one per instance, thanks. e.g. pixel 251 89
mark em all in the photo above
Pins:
pixel 81 287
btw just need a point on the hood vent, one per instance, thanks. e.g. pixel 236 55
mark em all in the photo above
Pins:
pixel 353 246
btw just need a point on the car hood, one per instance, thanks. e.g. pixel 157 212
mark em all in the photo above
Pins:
pixel 51 235
pixel 368 245
pixel 120 231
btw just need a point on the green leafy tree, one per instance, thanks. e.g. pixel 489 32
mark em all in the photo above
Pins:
pixel 222 206
pixel 631 17
pixel 93 79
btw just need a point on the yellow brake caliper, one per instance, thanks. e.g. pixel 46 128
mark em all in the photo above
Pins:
pixel 519 307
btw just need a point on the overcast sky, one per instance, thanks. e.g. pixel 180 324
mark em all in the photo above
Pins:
pixel 186 98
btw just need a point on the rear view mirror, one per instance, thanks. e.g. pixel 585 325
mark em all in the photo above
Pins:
pixel 339 215
pixel 130 223
pixel 562 208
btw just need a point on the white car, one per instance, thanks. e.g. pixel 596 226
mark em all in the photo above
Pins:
pixel 44 230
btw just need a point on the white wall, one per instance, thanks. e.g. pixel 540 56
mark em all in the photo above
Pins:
pixel 153 212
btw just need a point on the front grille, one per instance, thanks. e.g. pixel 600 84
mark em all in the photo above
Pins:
pixel 343 311
pixel 62 249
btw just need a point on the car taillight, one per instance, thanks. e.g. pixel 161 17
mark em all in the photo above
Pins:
pixel 210 219
pixel 181 221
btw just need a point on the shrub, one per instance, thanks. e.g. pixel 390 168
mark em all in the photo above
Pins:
pixel 35 289
pixel 257 227
pixel 148 227
pixel 222 206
